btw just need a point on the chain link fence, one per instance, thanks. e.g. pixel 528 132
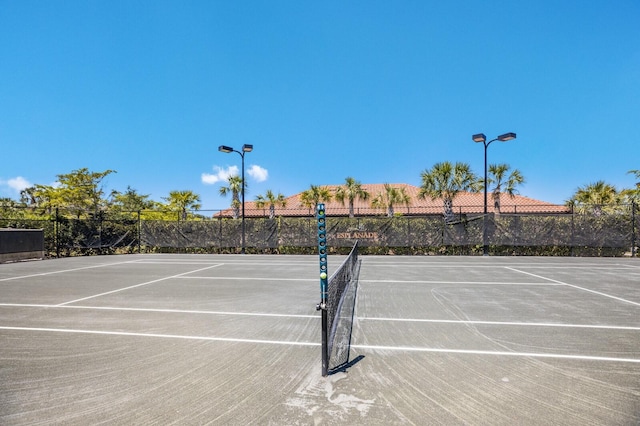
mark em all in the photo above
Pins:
pixel 591 232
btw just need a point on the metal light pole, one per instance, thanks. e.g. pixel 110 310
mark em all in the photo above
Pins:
pixel 245 148
pixel 480 137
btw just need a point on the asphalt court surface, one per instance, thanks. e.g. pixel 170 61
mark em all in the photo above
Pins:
pixel 232 339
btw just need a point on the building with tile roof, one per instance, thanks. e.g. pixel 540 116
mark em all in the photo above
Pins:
pixel 465 203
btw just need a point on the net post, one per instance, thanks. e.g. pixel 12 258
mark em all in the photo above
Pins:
pixel 322 306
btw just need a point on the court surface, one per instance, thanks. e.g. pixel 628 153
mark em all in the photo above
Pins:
pixel 233 339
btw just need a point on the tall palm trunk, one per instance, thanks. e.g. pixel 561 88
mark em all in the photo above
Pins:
pixel 236 205
pixel 496 201
pixel 449 216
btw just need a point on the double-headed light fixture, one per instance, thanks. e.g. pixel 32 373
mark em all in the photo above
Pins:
pixel 245 148
pixel 480 137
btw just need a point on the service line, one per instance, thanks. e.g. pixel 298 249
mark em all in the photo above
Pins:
pixel 138 285
pixel 599 293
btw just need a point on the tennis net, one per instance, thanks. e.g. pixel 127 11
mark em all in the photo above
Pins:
pixel 341 298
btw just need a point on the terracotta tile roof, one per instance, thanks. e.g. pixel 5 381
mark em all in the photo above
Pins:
pixel 463 203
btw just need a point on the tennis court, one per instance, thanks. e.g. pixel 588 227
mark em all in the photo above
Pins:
pixel 233 339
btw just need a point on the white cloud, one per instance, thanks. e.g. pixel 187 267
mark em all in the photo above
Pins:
pixel 258 173
pixel 17 183
pixel 220 175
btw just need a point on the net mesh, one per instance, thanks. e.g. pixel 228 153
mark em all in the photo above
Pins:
pixel 341 298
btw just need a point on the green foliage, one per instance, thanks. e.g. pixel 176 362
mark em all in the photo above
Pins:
pixel 130 202
pixel 503 182
pixel 79 192
pixel 598 198
pixel 445 180
pixel 389 198
pixel 315 195
pixel 234 188
pixel 272 201
pixel 78 220
pixel 351 191
pixel 182 201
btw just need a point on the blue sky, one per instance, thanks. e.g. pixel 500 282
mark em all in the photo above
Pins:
pixel 376 90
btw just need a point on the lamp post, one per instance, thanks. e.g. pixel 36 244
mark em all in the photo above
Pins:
pixel 480 137
pixel 245 148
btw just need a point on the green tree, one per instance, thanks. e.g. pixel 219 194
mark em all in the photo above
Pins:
pixel 502 181
pixel 43 197
pixel 182 201
pixel 28 197
pixel 597 198
pixel 272 201
pixel 351 191
pixel 632 195
pixel 79 192
pixel 10 208
pixel 130 201
pixel 81 189
pixel 315 195
pixel 445 181
pixel 389 198
pixel 234 188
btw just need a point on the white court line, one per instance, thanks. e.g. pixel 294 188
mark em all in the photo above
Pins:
pixel 261 314
pixel 507 323
pixel 164 336
pixel 495 353
pixel 137 285
pixel 364 347
pixel 174 311
pixel 362 280
pixel 222 261
pixel 42 274
pixel 577 287
pixel 247 278
pixel 497 265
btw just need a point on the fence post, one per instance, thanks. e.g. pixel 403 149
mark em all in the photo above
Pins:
pixel 57 233
pixel 139 233
pixel 573 230
pixel 633 228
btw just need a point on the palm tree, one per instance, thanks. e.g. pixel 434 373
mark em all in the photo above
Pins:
pixel 182 201
pixel 594 196
pixel 235 188
pixel 272 200
pixel 351 190
pixel 632 195
pixel 498 175
pixel 390 197
pixel 446 180
pixel 315 195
